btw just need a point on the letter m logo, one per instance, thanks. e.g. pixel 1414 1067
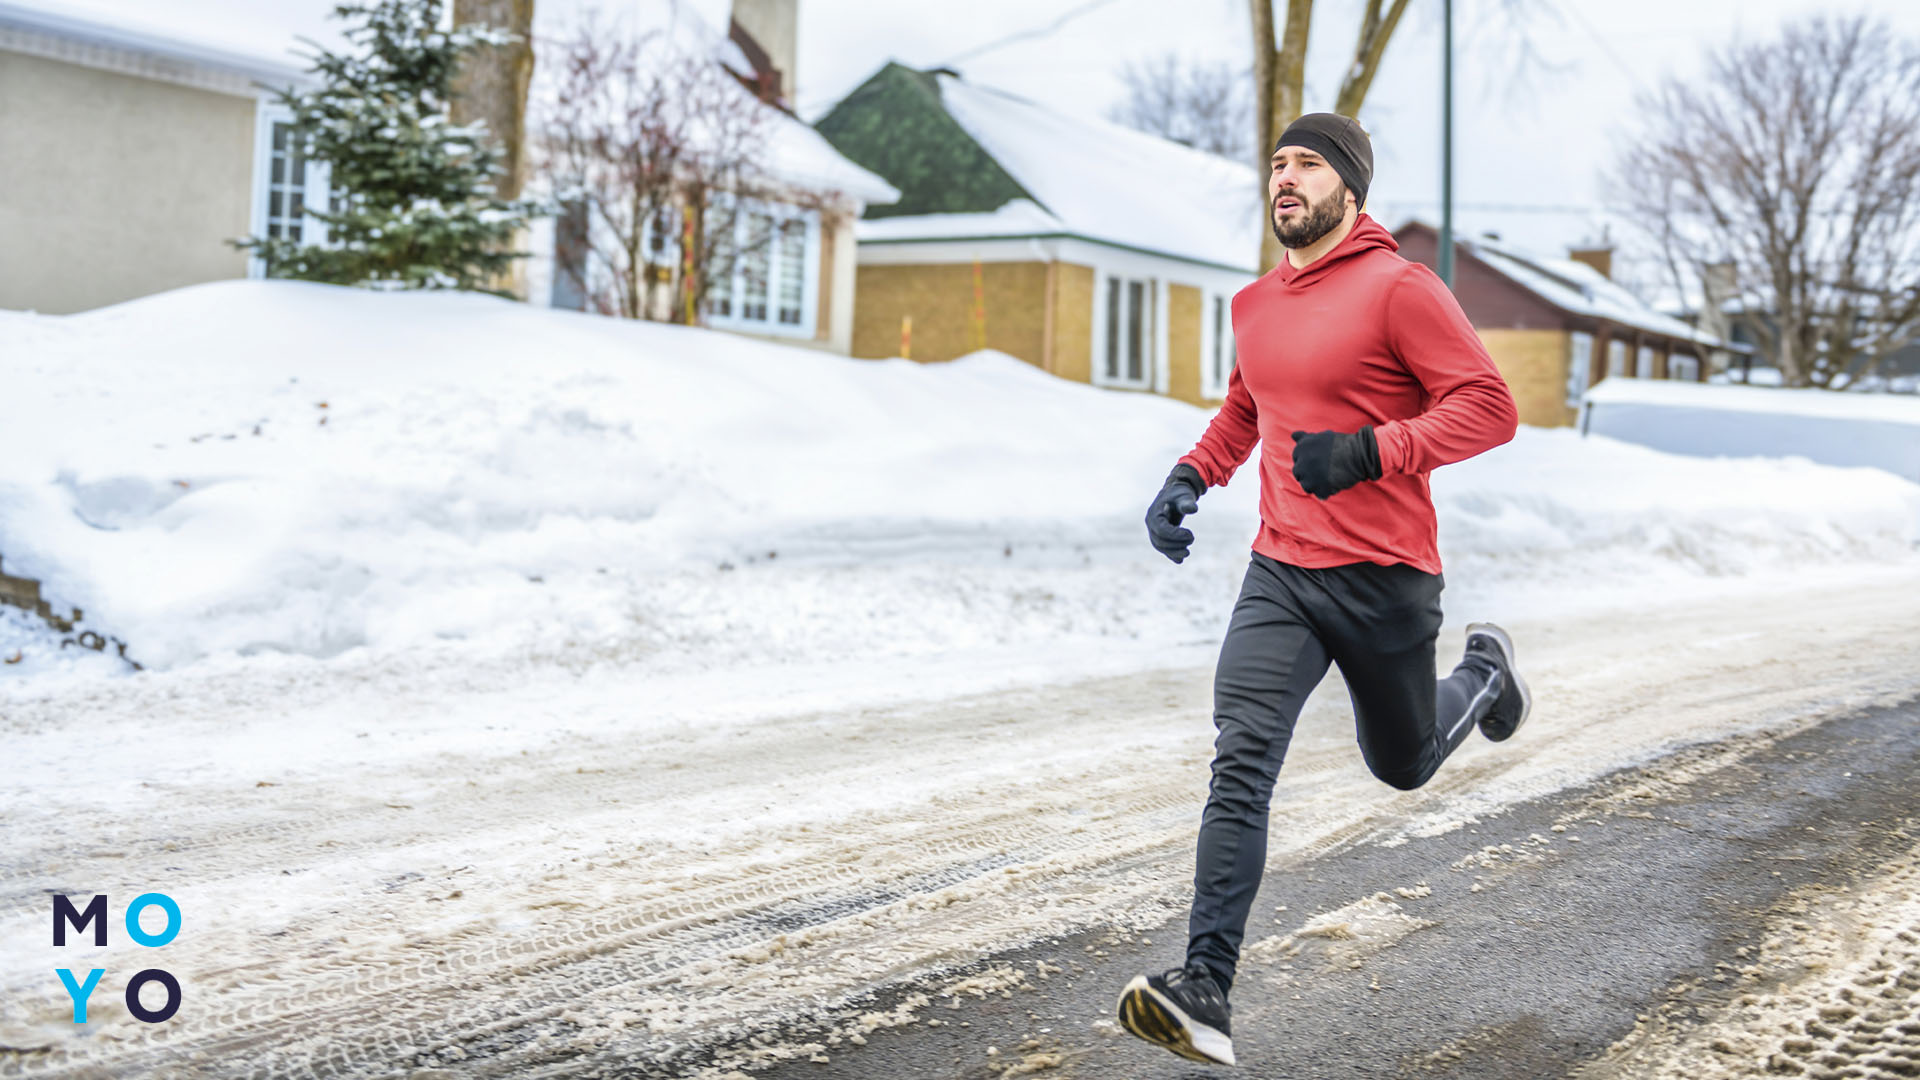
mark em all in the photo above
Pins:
pixel 64 915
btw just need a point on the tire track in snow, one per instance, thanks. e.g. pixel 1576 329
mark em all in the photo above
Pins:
pixel 1035 812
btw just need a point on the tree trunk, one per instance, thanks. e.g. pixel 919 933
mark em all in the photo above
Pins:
pixel 492 87
pixel 1375 31
pixel 1280 79
pixel 493 81
pixel 1279 95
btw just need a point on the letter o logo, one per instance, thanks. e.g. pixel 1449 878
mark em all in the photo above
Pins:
pixel 141 903
pixel 164 1012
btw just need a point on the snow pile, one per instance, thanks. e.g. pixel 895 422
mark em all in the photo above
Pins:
pixel 1824 404
pixel 277 468
pixel 1870 430
pixel 1554 508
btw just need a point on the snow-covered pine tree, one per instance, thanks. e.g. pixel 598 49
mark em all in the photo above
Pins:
pixel 414 204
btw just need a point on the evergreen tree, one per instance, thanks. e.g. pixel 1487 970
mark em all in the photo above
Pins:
pixel 414 204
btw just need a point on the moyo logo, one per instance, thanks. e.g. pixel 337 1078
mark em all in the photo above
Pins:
pixel 95 915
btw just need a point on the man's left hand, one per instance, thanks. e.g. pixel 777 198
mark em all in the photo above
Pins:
pixel 1329 462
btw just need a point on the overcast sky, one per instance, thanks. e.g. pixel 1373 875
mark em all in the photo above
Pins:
pixel 1538 145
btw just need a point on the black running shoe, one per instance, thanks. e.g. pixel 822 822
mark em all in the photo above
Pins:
pixel 1509 710
pixel 1182 1010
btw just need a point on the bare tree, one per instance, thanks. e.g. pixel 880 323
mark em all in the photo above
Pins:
pixel 1786 174
pixel 662 151
pixel 1280 70
pixel 1207 106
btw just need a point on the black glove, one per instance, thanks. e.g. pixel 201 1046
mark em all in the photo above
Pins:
pixel 1179 497
pixel 1329 462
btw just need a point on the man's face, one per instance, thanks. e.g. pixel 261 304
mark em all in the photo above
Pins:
pixel 1305 198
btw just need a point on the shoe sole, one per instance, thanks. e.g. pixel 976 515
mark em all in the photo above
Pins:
pixel 1154 1017
pixel 1501 639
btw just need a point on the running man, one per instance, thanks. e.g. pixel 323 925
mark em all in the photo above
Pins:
pixel 1358 375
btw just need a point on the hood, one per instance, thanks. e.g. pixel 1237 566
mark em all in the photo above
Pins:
pixel 1367 235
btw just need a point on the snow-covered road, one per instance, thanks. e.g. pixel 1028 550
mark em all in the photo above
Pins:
pixel 382 867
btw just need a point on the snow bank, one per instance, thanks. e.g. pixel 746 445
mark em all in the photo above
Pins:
pixel 1871 430
pixel 277 468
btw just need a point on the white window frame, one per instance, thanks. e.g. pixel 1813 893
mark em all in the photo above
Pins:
pixel 1643 363
pixel 1219 352
pixel 808 325
pixel 1153 329
pixel 1579 367
pixel 1616 357
pixel 319 175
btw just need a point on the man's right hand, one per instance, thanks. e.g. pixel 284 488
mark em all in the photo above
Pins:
pixel 1178 497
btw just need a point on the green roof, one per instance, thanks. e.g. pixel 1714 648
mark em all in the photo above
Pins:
pixel 895 125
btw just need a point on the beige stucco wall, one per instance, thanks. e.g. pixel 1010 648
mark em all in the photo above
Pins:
pixel 1534 363
pixel 113 187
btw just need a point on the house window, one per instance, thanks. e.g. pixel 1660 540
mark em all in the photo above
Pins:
pixel 1643 363
pixel 1127 344
pixel 756 267
pixel 288 185
pixel 793 278
pixel 1579 368
pixel 1685 368
pixel 1220 348
pixel 1616 358
pixel 764 274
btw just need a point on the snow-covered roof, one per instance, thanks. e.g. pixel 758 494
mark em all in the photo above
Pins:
pixel 1575 287
pixel 1098 180
pixel 248 51
pixel 796 154
pixel 1690 302
pixel 799 155
pixel 1021 217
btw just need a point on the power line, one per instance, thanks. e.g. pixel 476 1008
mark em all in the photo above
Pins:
pixel 1023 35
pixel 1504 208
pixel 1605 47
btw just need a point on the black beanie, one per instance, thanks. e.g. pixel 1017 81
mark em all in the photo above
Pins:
pixel 1340 140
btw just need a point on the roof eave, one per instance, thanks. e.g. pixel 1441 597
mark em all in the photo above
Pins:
pixel 74 28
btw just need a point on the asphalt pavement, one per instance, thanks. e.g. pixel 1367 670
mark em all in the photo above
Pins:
pixel 1520 946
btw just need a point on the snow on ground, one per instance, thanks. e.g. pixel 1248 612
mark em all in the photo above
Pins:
pixel 251 469
pixel 1772 400
pixel 1846 429
pixel 815 729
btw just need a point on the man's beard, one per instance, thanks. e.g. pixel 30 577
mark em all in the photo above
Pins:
pixel 1317 219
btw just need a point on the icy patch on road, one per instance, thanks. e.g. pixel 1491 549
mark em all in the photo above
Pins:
pixel 1833 991
pixel 1345 936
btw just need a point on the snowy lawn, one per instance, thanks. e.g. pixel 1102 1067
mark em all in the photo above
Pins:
pixel 252 468
pixel 665 684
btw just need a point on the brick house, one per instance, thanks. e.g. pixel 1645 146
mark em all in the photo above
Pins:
pixel 1557 326
pixel 1095 252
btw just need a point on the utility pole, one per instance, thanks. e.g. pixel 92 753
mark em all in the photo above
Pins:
pixel 1446 147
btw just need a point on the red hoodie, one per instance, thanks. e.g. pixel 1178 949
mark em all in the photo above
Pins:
pixel 1360 336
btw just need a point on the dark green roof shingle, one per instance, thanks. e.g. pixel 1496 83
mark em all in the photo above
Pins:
pixel 895 125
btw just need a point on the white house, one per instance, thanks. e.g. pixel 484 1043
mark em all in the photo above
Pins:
pixel 138 140
pixel 130 155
